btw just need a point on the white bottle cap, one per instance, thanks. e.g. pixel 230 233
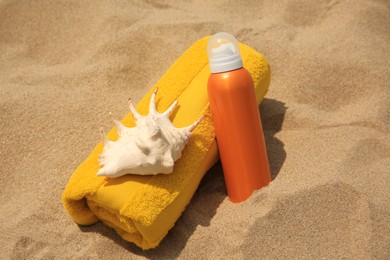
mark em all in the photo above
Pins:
pixel 223 52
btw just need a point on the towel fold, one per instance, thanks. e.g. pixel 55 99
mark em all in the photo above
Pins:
pixel 142 209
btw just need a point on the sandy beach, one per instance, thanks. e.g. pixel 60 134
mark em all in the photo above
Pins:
pixel 65 64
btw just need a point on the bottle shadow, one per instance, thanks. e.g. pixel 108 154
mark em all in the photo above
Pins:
pixel 210 193
pixel 272 116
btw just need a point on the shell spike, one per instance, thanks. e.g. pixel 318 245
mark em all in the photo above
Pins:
pixel 101 172
pixel 195 124
pixel 103 137
pixel 120 128
pixel 152 103
pixel 133 110
pixel 170 109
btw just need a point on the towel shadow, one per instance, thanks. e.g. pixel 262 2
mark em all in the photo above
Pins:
pixel 210 193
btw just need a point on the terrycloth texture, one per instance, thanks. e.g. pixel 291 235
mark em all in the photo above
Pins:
pixel 142 209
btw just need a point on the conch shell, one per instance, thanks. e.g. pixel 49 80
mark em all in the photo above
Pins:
pixel 149 148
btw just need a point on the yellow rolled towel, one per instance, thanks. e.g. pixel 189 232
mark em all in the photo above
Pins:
pixel 142 209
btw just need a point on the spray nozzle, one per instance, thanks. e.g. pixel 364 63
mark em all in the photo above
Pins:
pixel 223 52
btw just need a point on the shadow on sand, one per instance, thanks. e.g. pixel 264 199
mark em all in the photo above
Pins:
pixel 272 117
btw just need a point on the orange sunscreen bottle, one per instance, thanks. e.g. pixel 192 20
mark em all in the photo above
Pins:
pixel 236 119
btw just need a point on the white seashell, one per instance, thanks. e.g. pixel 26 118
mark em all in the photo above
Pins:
pixel 151 147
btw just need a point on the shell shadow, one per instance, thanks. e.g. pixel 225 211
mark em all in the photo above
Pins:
pixel 209 195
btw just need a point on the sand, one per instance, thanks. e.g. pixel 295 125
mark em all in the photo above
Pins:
pixel 65 64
